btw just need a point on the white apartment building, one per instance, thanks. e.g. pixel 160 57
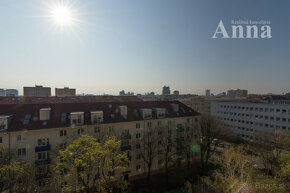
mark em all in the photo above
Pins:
pixel 36 130
pixel 246 118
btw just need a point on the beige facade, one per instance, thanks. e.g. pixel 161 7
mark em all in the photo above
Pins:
pixel 37 91
pixel 40 146
pixel 199 104
pixel 65 92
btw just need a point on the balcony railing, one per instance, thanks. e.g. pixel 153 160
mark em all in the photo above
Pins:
pixel 42 148
pixel 126 147
pixel 42 162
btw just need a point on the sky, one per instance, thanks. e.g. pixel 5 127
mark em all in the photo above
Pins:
pixel 142 45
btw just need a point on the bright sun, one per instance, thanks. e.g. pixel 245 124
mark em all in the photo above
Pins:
pixel 62 15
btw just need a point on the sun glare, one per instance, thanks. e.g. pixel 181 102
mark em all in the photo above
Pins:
pixel 62 15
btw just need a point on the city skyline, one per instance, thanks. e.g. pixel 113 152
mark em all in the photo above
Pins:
pixel 140 47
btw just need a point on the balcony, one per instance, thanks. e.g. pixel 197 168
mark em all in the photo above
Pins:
pixel 179 129
pixel 125 147
pixel 42 148
pixel 42 162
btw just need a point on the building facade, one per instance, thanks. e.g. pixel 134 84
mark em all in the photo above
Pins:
pixel 37 91
pixel 237 93
pixel 199 104
pixel 11 92
pixel 2 92
pixel 247 119
pixel 8 92
pixel 65 92
pixel 207 92
pixel 166 90
pixel 36 130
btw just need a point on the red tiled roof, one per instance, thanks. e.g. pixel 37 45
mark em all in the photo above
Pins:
pixel 74 99
pixel 19 111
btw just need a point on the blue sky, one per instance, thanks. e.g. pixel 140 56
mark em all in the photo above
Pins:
pixel 141 45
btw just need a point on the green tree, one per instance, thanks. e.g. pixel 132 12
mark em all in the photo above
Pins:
pixel 15 175
pixel 88 166
pixel 209 128
pixel 233 166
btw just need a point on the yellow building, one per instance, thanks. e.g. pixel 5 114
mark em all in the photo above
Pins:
pixel 37 131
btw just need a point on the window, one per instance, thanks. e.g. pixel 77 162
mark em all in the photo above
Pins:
pixel 81 131
pixel 97 129
pixel 137 125
pixel 62 133
pixel 21 152
pixel 138 157
pixel 159 123
pixel 138 135
pixel 20 138
pixel 42 155
pixel 277 110
pixel 42 142
pixel 149 124
pixel 138 167
pixel 159 142
pixel 0 139
pixel 138 146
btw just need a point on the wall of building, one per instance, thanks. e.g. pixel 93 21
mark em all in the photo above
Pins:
pixel 28 139
pixel 247 119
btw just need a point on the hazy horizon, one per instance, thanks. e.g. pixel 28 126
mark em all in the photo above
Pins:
pixel 140 46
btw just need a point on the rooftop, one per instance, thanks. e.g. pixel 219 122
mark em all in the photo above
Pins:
pixel 72 99
pixel 26 116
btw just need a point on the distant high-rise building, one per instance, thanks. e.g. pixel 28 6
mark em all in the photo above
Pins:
pixel 207 92
pixel 2 92
pixel 64 92
pixel 222 94
pixel 122 93
pixel 237 93
pixel 11 92
pixel 176 92
pixel 37 91
pixel 166 90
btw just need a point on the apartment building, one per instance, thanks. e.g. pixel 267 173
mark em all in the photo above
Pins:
pixel 2 92
pixel 65 92
pixel 8 92
pixel 36 130
pixel 74 99
pixel 237 93
pixel 37 91
pixel 248 118
pixel 199 104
